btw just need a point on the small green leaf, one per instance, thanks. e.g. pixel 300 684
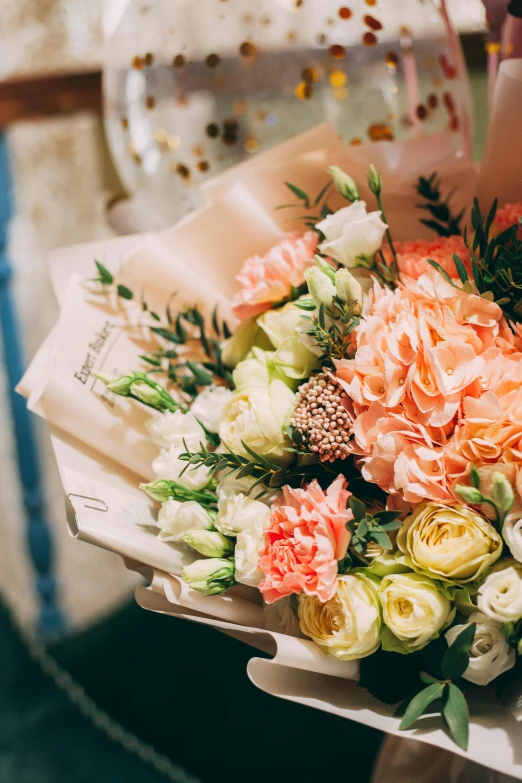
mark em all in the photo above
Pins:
pixel 124 292
pixel 440 270
pixel 321 194
pixel 456 715
pixel 358 508
pixel 461 269
pixel 419 704
pixel 167 334
pixel 427 679
pixel 456 658
pixel 469 494
pixel 299 193
pixel 475 477
pixel 105 276
pixel 201 376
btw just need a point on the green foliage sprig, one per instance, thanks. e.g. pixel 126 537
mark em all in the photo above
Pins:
pixel 446 694
pixel 317 211
pixel 501 499
pixel 179 329
pixel 366 527
pixel 331 327
pixel 442 219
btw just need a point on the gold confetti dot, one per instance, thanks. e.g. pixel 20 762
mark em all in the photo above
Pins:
pixel 391 59
pixel 369 39
pixel 179 61
pixel 213 60
pixel 372 22
pixel 432 101
pixel 291 36
pixel 371 2
pixel 310 75
pixel 380 132
pixel 213 130
pixel 251 144
pixel 345 13
pixel 239 107
pixel 203 165
pixel 321 39
pixel 198 151
pixel 304 91
pixel 337 51
pixel 150 101
pixel 356 142
pixel 183 171
pixel 247 49
pixel 337 79
pixel 422 112
pixel 493 47
pixel 161 136
pixel 124 123
pixel 138 62
pixel 173 142
pixel 149 58
pixel 342 94
pixel 135 154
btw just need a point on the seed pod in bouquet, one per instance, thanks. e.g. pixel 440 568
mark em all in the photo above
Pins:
pixel 210 577
pixel 322 417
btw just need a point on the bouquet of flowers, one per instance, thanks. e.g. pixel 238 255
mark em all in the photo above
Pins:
pixel 329 448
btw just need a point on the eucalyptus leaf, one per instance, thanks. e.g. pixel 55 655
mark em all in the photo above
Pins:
pixel 456 715
pixel 420 703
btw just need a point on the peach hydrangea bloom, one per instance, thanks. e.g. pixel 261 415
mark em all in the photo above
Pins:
pixel 422 351
pixel 270 278
pixel 306 538
pixel 412 257
pixel 506 217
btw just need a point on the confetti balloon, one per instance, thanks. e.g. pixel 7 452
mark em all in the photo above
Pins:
pixel 193 87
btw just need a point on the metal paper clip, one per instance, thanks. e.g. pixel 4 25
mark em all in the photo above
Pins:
pixel 102 505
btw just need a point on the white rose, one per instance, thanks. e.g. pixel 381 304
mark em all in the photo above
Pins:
pixel 414 609
pixel 208 407
pixel 249 546
pixel 168 466
pixel 490 655
pixel 256 417
pixel 238 512
pixel 500 597
pixel 281 618
pixel 348 626
pixel 512 534
pixel 171 429
pixel 175 519
pixel 351 234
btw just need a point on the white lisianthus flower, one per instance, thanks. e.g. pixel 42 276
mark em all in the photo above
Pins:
pixel 500 597
pixel 285 329
pixel 280 617
pixel 348 626
pixel 175 519
pixel 208 406
pixel 169 466
pixel 512 534
pixel 256 417
pixel 414 609
pixel 239 512
pixel 211 576
pixel 352 235
pixel 171 429
pixel 249 546
pixel 490 655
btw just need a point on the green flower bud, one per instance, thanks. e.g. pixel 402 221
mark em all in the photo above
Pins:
pixel 210 577
pixel 469 494
pixel 374 181
pixel 146 393
pixel 160 490
pixel 117 385
pixel 320 286
pixel 344 184
pixel 349 290
pixel 209 543
pixel 502 493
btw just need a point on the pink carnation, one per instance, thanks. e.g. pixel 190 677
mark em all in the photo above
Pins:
pixel 270 278
pixel 306 538
pixel 412 257
pixel 506 217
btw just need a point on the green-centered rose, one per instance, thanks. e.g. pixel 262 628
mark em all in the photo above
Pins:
pixel 284 327
pixel 451 543
pixel 414 611
pixel 348 626
pixel 257 417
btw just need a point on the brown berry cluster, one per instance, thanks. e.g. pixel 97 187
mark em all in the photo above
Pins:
pixel 322 419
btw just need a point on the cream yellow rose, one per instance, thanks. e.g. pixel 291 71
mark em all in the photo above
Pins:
pixel 348 626
pixel 414 610
pixel 452 543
